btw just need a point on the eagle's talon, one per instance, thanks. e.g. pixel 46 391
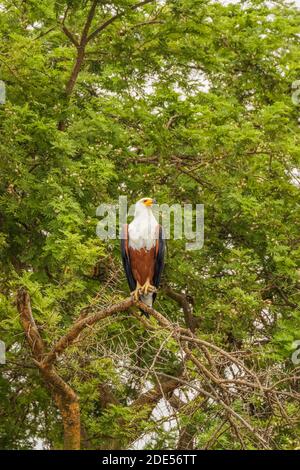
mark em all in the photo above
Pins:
pixel 135 294
pixel 147 288
pixel 152 289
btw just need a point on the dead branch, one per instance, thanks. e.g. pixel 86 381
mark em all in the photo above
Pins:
pixel 198 356
pixel 69 338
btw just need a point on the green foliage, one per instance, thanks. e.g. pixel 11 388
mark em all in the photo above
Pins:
pixel 203 95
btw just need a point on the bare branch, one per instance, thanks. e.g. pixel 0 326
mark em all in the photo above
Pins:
pixel 70 36
pixel 44 33
pixel 202 369
pixel 190 321
pixel 32 334
pixel 85 32
pixel 66 30
pixel 69 338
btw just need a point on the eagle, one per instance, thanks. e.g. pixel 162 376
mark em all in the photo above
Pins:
pixel 143 252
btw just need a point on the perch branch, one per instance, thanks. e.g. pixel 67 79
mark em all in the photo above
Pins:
pixel 116 17
pixel 196 354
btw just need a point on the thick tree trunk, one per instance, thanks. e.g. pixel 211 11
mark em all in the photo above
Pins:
pixel 70 413
pixel 63 395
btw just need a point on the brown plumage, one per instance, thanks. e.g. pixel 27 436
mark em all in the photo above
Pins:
pixel 142 264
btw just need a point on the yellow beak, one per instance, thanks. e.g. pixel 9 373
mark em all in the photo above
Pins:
pixel 149 202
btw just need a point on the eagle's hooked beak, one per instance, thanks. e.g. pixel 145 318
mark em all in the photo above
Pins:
pixel 149 202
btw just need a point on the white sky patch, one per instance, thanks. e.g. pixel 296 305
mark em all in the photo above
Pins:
pixel 267 318
pixel 156 111
pixel 35 25
pixel 162 411
pixel 198 83
pixel 249 106
pixel 147 87
pixel 200 80
pixel 39 444
pixel 143 442
pixel 186 395
pixel 233 372
pixel 99 91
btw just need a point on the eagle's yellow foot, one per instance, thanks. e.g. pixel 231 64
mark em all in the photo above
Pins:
pixel 135 294
pixel 147 288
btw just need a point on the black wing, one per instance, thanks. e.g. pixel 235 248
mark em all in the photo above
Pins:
pixel 125 258
pixel 159 258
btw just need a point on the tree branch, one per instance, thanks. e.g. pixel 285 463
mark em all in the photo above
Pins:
pixel 191 322
pixel 66 30
pixel 164 387
pixel 62 394
pixel 85 38
pixel 75 330
pixel 213 385
pixel 114 18
pixel 70 36
pixel 29 326
pixel 90 17
pixel 80 54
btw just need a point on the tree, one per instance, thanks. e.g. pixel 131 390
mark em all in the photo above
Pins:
pixel 191 102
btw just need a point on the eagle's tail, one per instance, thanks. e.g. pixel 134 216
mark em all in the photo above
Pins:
pixel 148 300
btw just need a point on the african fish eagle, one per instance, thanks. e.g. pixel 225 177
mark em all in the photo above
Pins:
pixel 143 250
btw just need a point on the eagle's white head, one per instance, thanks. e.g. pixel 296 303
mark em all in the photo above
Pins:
pixel 143 206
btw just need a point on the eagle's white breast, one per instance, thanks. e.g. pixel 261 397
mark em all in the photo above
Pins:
pixel 143 230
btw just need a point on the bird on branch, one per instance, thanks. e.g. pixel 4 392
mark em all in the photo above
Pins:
pixel 143 251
